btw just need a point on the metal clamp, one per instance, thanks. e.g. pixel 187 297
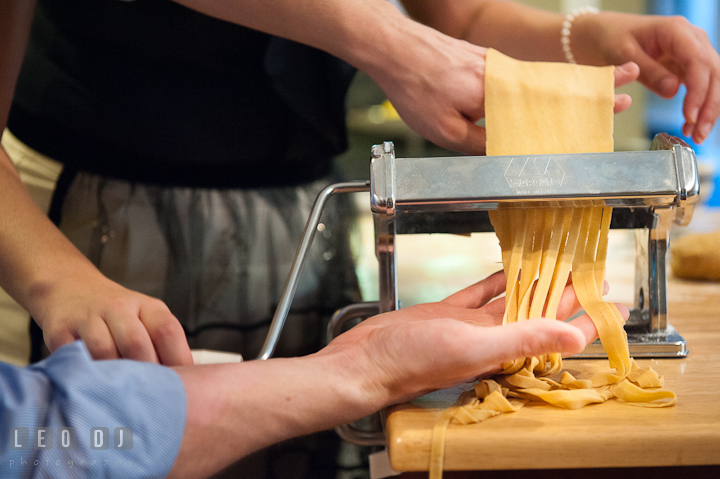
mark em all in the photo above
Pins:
pixel 349 432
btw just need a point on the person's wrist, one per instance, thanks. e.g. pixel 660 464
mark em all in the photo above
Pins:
pixel 567 27
pixel 392 48
pixel 580 41
pixel 358 379
pixel 53 293
pixel 45 299
pixel 365 37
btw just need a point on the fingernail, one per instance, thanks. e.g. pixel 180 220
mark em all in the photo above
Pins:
pixel 693 115
pixel 704 131
pixel 688 130
pixel 623 68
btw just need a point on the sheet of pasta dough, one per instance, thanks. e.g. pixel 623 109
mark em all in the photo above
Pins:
pixel 573 115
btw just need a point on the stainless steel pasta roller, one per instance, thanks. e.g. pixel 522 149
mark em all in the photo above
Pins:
pixel 649 191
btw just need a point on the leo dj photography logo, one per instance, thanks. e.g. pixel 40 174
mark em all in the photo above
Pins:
pixel 65 438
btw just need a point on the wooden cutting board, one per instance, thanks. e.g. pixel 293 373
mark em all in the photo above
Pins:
pixel 606 435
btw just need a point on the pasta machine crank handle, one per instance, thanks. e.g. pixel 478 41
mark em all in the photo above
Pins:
pixel 298 263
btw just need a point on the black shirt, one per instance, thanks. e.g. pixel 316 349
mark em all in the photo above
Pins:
pixel 154 92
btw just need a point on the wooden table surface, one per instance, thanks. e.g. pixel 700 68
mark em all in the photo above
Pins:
pixel 597 436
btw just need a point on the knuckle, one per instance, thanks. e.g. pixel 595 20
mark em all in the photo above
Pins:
pixel 678 21
pixel 454 338
pixel 626 51
pixel 712 107
pixel 117 304
pixel 133 345
pixel 55 335
pixel 530 344
pixel 452 131
pixel 53 342
pixel 703 56
pixel 155 307
pixel 101 350
pixel 169 329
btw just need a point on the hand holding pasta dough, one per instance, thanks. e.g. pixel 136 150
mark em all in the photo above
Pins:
pixel 444 104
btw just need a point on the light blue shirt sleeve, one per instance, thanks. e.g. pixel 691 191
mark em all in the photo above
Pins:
pixel 71 417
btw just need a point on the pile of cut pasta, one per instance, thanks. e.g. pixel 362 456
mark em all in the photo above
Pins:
pixel 536 108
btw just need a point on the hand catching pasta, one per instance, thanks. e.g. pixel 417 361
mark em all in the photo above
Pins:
pixel 438 345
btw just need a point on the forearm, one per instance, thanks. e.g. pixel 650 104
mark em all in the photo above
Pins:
pixel 15 22
pixel 369 34
pixel 34 255
pixel 516 29
pixel 235 409
pixel 25 232
pixel 240 408
pixel 434 81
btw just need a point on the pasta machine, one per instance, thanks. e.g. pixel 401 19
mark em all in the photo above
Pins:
pixel 649 190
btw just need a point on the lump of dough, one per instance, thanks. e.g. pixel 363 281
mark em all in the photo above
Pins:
pixel 696 256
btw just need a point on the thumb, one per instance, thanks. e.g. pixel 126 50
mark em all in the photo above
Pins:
pixel 534 338
pixel 626 73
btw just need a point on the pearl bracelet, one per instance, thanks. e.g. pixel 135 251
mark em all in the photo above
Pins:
pixel 567 24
